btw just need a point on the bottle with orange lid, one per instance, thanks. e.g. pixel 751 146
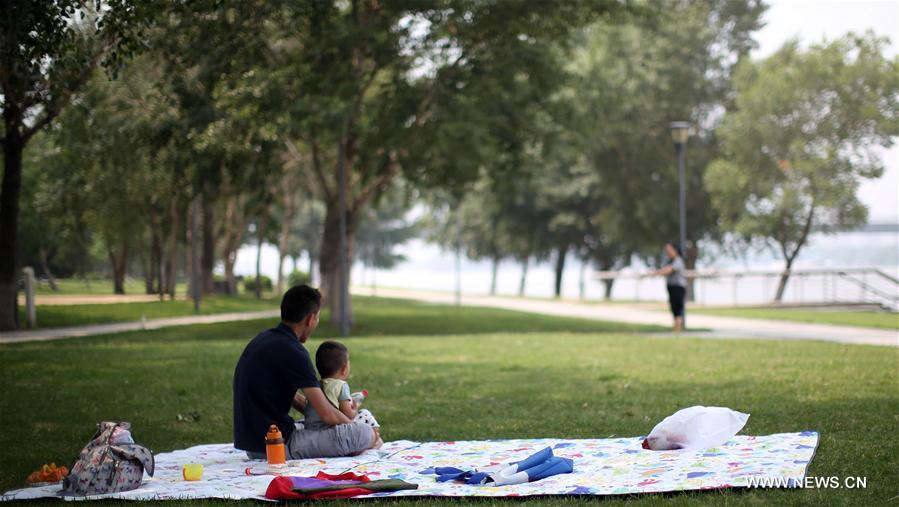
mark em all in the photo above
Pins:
pixel 275 452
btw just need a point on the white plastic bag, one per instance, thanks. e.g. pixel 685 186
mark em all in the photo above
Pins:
pixel 696 428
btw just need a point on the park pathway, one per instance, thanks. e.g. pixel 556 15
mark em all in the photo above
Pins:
pixel 716 326
pixel 93 299
pixel 56 333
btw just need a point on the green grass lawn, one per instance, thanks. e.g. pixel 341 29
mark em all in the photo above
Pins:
pixel 886 320
pixel 76 315
pixel 446 373
pixel 81 286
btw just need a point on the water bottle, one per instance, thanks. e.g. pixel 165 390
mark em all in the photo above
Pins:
pixel 275 451
pixel 359 396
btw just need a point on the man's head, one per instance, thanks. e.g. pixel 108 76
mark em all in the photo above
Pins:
pixel 300 309
pixel 332 360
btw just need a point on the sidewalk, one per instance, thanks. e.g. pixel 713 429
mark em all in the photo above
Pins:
pixel 719 327
pixel 93 299
pixel 56 333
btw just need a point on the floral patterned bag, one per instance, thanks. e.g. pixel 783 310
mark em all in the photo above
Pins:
pixel 109 463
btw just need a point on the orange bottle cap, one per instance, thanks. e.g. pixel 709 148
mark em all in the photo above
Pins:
pixel 273 436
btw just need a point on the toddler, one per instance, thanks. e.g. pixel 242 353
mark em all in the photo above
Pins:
pixel 332 360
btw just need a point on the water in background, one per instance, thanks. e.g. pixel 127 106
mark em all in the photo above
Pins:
pixel 430 268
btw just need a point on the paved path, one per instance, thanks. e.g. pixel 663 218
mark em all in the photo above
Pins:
pixel 118 327
pixel 720 327
pixel 93 299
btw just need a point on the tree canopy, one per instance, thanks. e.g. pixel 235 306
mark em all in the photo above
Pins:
pixel 801 136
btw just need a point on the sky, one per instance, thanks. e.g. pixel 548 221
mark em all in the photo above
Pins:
pixel 810 21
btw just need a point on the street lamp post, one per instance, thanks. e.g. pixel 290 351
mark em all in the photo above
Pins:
pixel 680 131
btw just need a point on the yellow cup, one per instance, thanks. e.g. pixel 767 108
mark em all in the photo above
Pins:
pixel 192 471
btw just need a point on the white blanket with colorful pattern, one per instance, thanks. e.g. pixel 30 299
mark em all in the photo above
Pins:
pixel 614 466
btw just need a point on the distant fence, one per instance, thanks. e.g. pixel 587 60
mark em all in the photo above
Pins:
pixel 747 287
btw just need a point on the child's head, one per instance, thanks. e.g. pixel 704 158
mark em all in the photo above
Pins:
pixel 332 360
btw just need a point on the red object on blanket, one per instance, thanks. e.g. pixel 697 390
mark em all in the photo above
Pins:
pixel 281 488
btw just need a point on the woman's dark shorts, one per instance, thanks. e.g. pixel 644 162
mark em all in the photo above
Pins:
pixel 676 295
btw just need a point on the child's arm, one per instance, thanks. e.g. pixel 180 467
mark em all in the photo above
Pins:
pixel 347 405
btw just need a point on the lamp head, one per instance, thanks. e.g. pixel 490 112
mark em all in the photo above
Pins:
pixel 680 131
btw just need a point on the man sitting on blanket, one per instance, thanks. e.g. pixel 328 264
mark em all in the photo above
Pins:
pixel 270 373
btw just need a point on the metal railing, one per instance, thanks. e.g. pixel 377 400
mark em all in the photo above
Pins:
pixel 831 286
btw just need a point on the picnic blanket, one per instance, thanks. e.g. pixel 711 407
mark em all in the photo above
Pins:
pixel 614 466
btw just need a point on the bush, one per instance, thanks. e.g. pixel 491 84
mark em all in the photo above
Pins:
pixel 297 278
pixel 249 283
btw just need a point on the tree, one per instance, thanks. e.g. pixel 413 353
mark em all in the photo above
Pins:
pixel 54 235
pixel 630 80
pixel 382 83
pixel 48 51
pixel 800 138
pixel 96 151
pixel 208 50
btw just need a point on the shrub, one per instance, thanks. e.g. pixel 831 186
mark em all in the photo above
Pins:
pixel 249 283
pixel 297 278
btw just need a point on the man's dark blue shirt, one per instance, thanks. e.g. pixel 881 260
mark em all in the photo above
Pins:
pixel 270 370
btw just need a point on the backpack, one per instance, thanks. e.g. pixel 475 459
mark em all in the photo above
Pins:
pixel 111 462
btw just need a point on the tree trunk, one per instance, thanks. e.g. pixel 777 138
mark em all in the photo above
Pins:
pixel 159 270
pixel 691 255
pixel 582 281
pixel 191 253
pixel 283 237
pixel 790 256
pixel 234 224
pixel 608 283
pixel 560 269
pixel 280 285
pixel 313 225
pixel 329 260
pixel 119 265
pixel 493 270
pixel 151 274
pixel 45 267
pixel 260 234
pixel 207 259
pixel 782 284
pixel 171 268
pixel 9 219
pixel 524 275
pixel 230 280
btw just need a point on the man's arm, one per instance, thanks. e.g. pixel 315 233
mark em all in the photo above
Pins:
pixel 328 414
pixel 299 403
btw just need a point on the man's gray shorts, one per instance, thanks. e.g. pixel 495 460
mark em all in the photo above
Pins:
pixel 336 441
